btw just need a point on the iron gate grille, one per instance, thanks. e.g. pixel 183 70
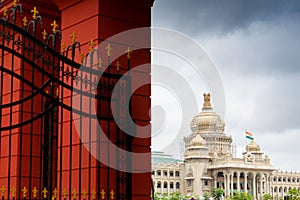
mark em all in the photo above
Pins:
pixel 38 142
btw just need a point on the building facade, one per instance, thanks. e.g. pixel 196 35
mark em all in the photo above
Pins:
pixel 208 162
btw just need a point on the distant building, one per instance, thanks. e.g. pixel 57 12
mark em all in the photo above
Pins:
pixel 208 162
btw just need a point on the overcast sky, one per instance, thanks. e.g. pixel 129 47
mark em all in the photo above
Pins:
pixel 255 46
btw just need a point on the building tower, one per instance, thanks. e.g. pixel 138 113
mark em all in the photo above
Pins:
pixel 210 127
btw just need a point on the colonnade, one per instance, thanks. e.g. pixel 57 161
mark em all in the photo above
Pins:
pixel 255 183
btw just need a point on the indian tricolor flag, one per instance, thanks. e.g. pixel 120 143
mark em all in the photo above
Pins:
pixel 249 135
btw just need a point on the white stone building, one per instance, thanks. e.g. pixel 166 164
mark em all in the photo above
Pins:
pixel 208 162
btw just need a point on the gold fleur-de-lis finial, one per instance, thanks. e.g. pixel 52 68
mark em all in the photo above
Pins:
pixel 16 3
pixel 128 53
pixel 57 92
pixel 54 193
pixel 83 194
pixel 94 194
pixel 4 11
pixel 34 192
pixel 24 190
pixel 112 194
pixel 54 26
pixel 73 37
pixel 35 12
pixel 100 63
pixel 102 194
pixel 118 66
pixel 82 57
pixel 3 190
pixel 45 192
pixel 109 49
pixel 13 192
pixel 65 194
pixel 74 193
pixel 92 44
pixel 44 33
pixel 63 47
pixel 25 20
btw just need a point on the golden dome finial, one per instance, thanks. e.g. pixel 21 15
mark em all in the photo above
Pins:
pixel 206 103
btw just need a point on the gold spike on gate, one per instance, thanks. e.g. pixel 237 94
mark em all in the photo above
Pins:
pixel 73 37
pixel 83 194
pixel 54 26
pixel 45 192
pixel 94 194
pixel 102 194
pixel 3 190
pixel 109 49
pixel 65 194
pixel 35 12
pixel 4 11
pixel 13 191
pixel 128 53
pixel 54 194
pixel 112 194
pixel 25 20
pixel 24 190
pixel 34 192
pixel 91 44
pixel 74 193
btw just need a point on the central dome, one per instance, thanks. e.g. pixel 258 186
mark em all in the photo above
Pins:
pixel 207 120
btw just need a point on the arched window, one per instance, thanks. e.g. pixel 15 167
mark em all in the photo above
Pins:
pixel 158 172
pixel 280 189
pixel 171 185
pixel 158 184
pixel 165 184
pixel 171 173
pixel 177 185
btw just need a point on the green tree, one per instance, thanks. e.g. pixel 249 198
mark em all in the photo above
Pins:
pixel 217 193
pixel 175 196
pixel 267 197
pixel 206 196
pixel 293 194
pixel 242 196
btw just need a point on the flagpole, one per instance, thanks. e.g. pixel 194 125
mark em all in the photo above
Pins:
pixel 245 138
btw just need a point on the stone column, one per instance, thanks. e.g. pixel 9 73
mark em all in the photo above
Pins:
pixel 254 185
pixel 228 184
pixel 225 185
pixel 245 182
pixel 238 181
pixel 261 185
pixel 268 180
pixel 215 179
pixel 231 184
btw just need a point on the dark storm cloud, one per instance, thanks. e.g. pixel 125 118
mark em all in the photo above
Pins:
pixel 219 17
